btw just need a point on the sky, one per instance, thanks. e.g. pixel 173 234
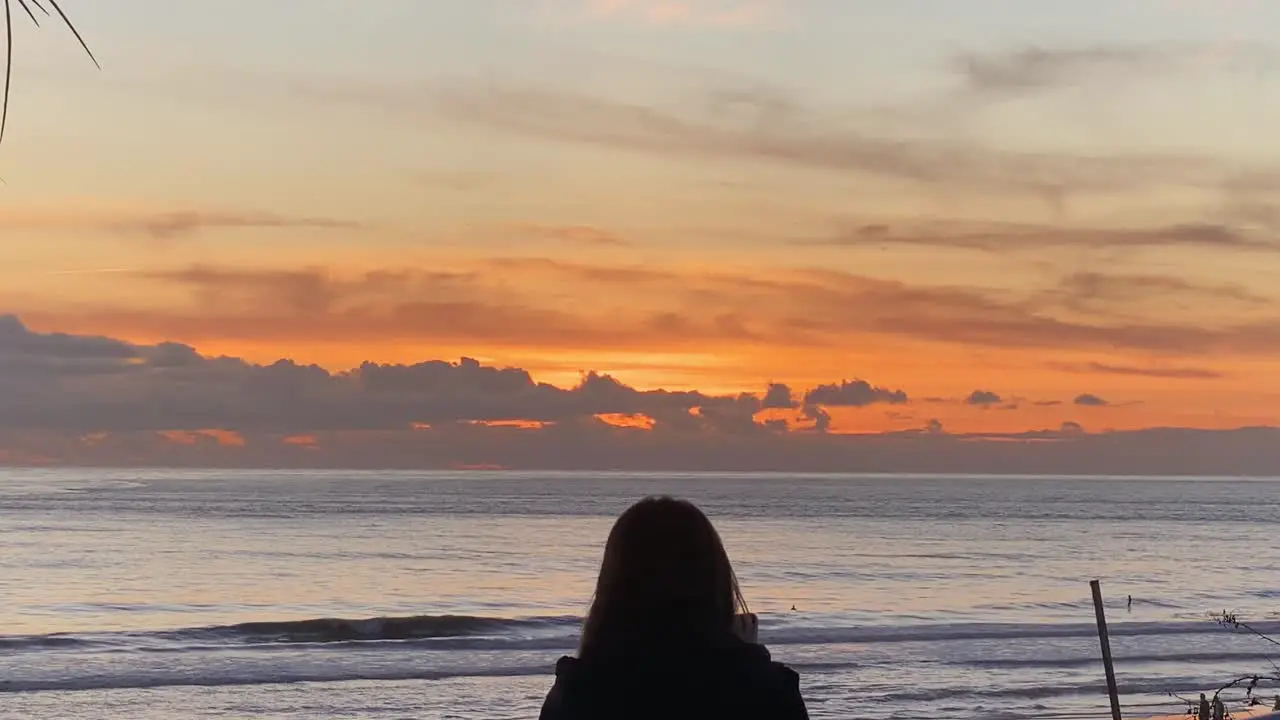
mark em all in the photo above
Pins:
pixel 688 226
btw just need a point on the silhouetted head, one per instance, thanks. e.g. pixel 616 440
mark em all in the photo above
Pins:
pixel 665 580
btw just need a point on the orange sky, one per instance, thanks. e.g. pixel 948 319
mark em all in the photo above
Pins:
pixel 696 195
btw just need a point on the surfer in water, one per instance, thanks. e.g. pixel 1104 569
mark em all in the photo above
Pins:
pixel 1129 607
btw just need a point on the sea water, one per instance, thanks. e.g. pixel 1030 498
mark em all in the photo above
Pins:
pixel 266 594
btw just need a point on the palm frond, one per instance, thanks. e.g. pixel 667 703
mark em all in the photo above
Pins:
pixel 27 6
pixel 30 14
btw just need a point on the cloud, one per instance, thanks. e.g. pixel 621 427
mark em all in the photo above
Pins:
pixel 774 127
pixel 1090 400
pixel 378 305
pixel 99 401
pixel 1031 69
pixel 168 225
pixel 1072 429
pixel 85 384
pixel 983 398
pixel 178 224
pixel 778 397
pixel 504 303
pixel 1005 237
pixel 783 127
pixel 820 417
pixel 1083 288
pixel 19 343
pixel 858 393
pixel 1036 68
pixel 1167 373
pixel 89 384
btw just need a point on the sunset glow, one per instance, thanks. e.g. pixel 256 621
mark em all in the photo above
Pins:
pixel 1020 219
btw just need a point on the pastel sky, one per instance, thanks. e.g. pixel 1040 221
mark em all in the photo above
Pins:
pixel 1020 214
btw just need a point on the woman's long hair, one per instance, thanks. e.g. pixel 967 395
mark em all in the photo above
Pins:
pixel 665 579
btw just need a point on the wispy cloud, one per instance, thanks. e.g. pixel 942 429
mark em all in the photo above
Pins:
pixel 755 123
pixel 1037 68
pixel 1106 292
pixel 504 302
pixel 800 138
pixel 1003 237
pixel 1164 373
pixel 166 225
pixel 177 224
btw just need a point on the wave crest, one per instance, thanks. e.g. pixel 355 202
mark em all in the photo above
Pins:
pixel 417 627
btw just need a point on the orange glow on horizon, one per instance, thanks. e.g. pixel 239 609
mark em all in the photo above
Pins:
pixel 481 467
pixel 514 424
pixel 1021 374
pixel 639 190
pixel 225 438
pixel 180 437
pixel 624 421
pixel 1037 391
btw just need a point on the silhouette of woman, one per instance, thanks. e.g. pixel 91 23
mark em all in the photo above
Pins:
pixel 659 640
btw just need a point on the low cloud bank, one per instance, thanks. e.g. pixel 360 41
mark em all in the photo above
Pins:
pixel 86 400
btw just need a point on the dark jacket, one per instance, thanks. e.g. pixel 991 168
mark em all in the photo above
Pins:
pixel 738 681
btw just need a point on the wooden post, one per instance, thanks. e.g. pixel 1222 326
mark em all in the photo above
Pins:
pixel 1106 649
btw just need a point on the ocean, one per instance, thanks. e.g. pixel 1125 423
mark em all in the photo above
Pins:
pixel 268 594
